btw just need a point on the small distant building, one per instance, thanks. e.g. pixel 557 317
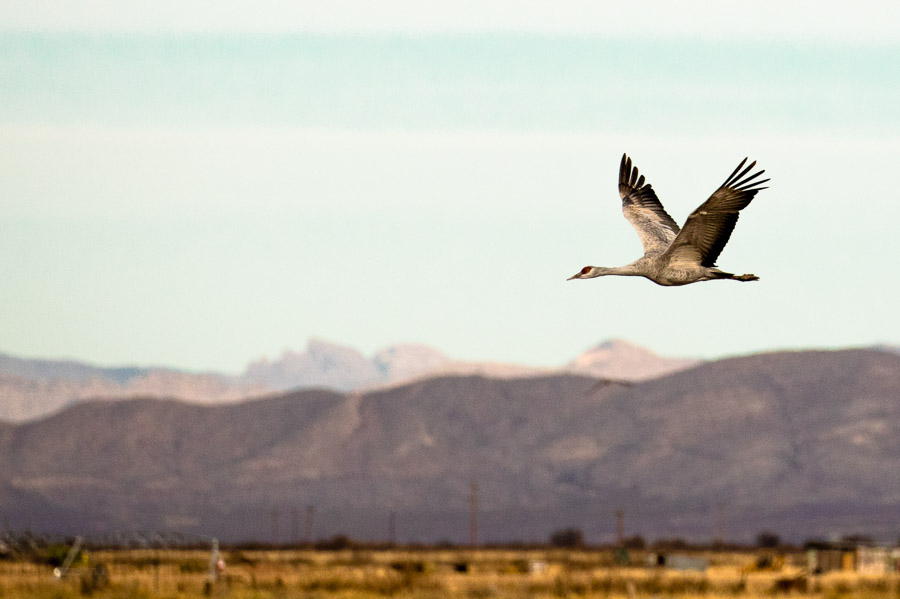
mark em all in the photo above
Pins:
pixel 848 557
pixel 877 560
pixel 675 561
pixel 830 557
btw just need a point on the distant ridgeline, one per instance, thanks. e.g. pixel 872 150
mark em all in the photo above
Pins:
pixel 32 388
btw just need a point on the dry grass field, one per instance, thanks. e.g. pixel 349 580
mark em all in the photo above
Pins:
pixel 426 574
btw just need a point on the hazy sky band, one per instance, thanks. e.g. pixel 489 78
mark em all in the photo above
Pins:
pixel 797 20
pixel 501 82
pixel 202 200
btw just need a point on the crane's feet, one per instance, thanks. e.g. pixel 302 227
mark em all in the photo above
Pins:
pixel 745 278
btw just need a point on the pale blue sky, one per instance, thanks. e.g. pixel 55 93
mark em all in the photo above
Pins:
pixel 196 184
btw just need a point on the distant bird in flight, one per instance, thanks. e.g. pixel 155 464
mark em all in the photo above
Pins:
pixel 674 256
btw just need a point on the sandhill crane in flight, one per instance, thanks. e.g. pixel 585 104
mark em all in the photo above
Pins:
pixel 674 256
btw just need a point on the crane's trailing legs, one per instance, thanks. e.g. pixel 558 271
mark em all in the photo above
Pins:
pixel 733 277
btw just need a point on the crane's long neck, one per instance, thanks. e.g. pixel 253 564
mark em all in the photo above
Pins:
pixel 627 270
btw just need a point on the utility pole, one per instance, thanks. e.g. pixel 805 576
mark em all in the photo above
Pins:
pixel 473 514
pixel 310 512
pixel 392 528
pixel 620 527
pixel 295 526
pixel 274 526
pixel 720 524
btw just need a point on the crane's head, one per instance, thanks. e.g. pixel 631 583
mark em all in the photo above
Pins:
pixel 588 272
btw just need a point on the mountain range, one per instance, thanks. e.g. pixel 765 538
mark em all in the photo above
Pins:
pixel 801 443
pixel 32 388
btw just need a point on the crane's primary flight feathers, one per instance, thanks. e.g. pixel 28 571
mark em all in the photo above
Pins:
pixel 674 256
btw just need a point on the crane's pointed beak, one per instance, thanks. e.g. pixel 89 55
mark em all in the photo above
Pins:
pixel 577 275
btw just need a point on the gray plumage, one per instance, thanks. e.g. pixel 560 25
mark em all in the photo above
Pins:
pixel 674 256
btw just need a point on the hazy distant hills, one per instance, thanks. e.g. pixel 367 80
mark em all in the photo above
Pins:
pixel 803 443
pixel 343 368
pixel 24 398
pixel 69 370
pixel 618 359
pixel 31 388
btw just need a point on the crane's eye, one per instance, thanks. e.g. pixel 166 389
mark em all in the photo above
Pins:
pixel 585 270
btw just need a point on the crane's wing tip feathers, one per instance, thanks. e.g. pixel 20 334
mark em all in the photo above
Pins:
pixel 625 170
pixel 745 186
pixel 629 175
pixel 738 179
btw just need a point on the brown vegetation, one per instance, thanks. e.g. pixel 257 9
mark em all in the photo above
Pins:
pixel 432 574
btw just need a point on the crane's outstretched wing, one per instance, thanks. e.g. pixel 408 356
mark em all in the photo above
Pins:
pixel 643 210
pixel 708 228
